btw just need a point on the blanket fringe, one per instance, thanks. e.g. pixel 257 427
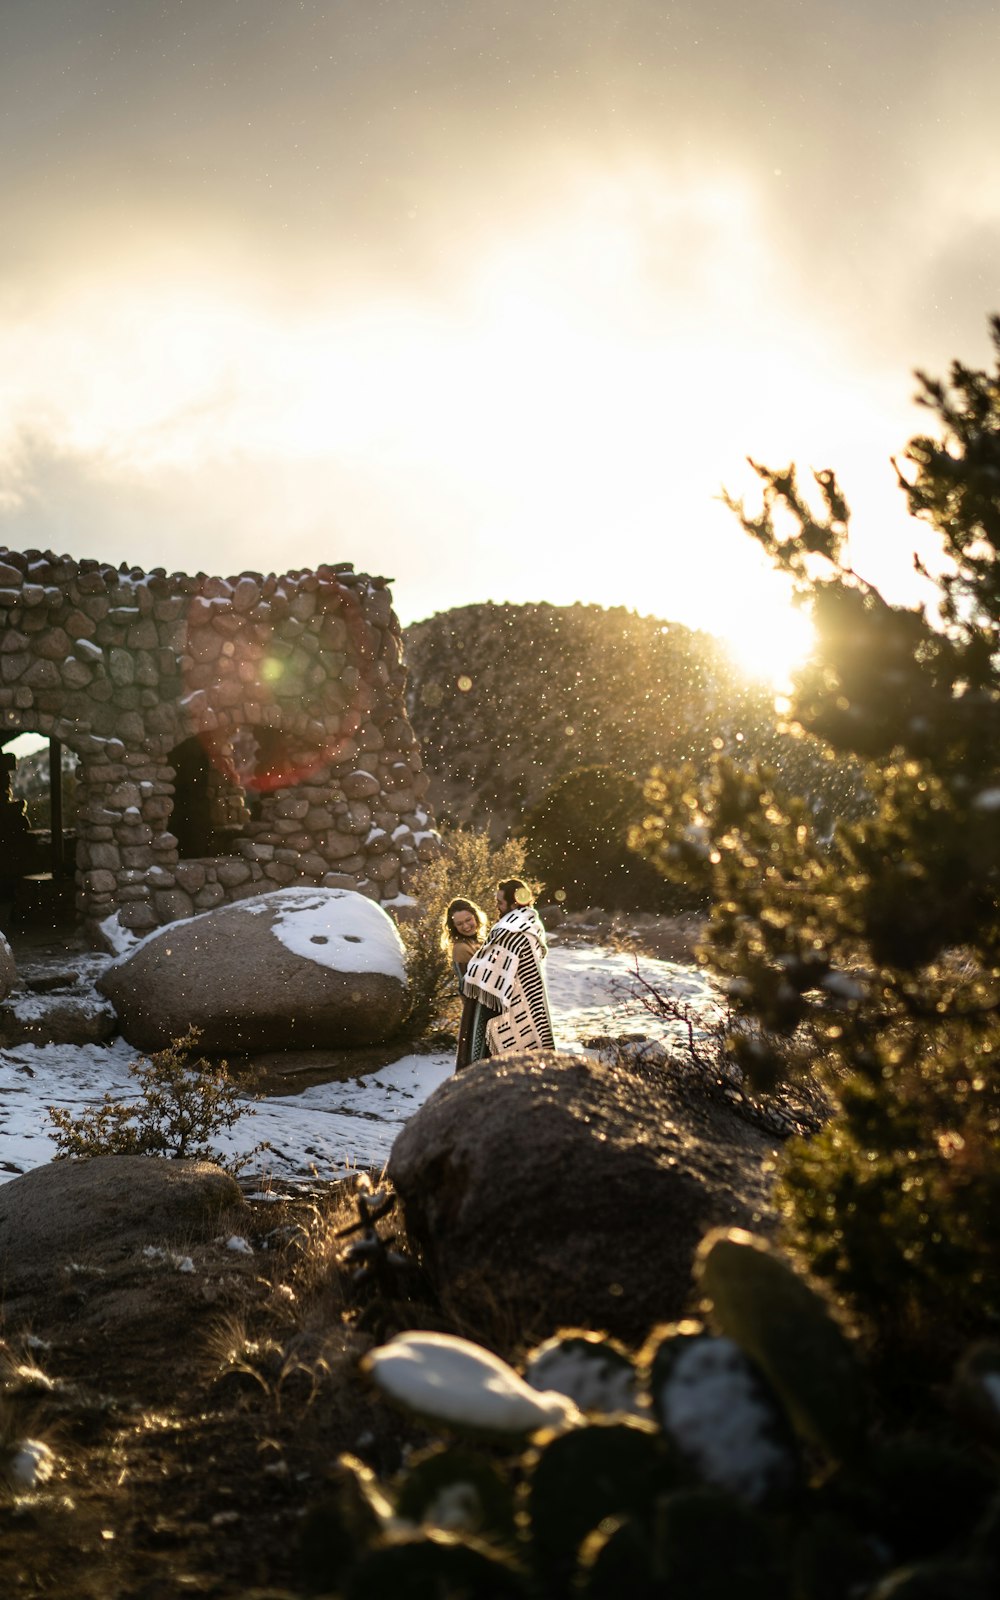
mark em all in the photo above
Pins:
pixel 483 996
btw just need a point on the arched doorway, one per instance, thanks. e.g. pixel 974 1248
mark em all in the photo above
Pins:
pixel 37 849
pixel 210 808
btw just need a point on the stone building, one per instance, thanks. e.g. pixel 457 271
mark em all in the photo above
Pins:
pixel 232 735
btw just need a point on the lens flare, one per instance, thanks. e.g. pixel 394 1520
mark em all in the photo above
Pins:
pixel 269 716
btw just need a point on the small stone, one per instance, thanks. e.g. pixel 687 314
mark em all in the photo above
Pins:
pixel 41 674
pixel 172 904
pixel 209 897
pixel 13 667
pixel 121 667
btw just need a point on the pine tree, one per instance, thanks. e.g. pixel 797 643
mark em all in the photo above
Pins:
pixel 878 952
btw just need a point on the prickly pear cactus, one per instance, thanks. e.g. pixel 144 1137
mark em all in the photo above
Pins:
pixel 710 1546
pixel 457 1491
pixel 937 1580
pixel 714 1404
pixel 594 1371
pixel 832 1559
pixel 924 1498
pixel 435 1566
pixel 785 1327
pixel 986 1540
pixel 617 1561
pixel 350 1516
pixel 577 1479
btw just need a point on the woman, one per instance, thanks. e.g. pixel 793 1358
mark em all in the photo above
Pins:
pixel 462 935
pixel 463 932
pixel 506 979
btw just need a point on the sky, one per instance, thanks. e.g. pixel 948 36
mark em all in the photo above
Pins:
pixel 490 298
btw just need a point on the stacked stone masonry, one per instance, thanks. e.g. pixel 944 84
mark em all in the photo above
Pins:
pixel 283 695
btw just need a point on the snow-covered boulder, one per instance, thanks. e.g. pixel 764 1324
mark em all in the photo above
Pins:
pixel 292 970
pixel 8 971
pixel 570 1192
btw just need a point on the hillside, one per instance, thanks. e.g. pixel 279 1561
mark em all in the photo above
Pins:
pixel 507 698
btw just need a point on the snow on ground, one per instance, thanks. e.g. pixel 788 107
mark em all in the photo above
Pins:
pixel 330 1127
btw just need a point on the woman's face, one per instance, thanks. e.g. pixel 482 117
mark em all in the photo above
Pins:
pixel 465 924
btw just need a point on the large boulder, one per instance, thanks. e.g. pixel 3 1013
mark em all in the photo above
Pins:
pixel 8 970
pixel 296 969
pixel 71 1208
pixel 547 1190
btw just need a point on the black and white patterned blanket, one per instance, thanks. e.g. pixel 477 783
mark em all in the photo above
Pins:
pixel 507 975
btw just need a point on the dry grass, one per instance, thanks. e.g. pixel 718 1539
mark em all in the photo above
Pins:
pixel 175 1399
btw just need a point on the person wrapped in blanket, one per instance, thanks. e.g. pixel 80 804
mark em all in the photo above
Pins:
pixel 462 935
pixel 505 1002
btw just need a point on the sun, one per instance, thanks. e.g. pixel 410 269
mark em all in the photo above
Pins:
pixel 767 639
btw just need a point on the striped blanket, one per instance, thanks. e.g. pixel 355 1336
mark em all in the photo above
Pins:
pixel 507 977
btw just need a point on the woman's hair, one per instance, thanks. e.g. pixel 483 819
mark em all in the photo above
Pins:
pixel 515 891
pixel 449 932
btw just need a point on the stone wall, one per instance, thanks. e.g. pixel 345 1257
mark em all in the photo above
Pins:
pixel 278 699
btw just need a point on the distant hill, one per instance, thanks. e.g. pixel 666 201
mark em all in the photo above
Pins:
pixel 507 698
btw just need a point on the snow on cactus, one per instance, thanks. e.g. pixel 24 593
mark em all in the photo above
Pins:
pixel 450 1380
pixel 714 1404
pixel 592 1371
pixel 456 1490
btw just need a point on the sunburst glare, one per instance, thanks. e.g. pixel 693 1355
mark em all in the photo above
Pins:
pixel 768 639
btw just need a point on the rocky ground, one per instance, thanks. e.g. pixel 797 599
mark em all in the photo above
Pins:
pixel 193 1395
pixel 673 938
pixel 194 1392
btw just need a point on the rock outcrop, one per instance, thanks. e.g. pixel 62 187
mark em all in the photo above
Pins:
pixel 553 1190
pixel 292 970
pixel 507 699
pixel 68 1017
pixel 49 1216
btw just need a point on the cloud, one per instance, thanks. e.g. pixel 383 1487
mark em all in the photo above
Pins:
pixel 392 142
pixel 222 516
pixel 406 285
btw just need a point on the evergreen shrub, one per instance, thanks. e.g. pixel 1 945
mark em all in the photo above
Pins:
pixel 577 841
pixel 470 865
pixel 878 951
pixel 181 1107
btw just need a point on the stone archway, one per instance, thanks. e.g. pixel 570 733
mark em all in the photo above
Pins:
pixel 210 810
